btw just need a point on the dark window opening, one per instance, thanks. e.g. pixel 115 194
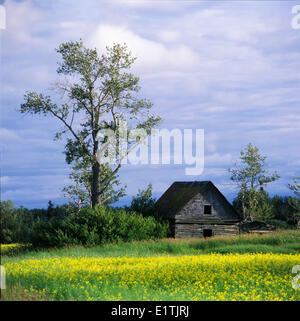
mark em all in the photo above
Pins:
pixel 207 209
pixel 207 232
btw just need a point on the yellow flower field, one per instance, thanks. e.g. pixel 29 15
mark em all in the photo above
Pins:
pixel 203 277
pixel 12 248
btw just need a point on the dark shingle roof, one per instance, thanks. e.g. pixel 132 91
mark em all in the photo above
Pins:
pixel 180 193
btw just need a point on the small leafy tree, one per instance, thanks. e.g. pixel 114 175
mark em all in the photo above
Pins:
pixel 143 202
pixel 97 92
pixel 251 177
pixel 9 224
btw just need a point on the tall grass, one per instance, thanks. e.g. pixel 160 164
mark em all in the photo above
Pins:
pixel 286 242
pixel 17 292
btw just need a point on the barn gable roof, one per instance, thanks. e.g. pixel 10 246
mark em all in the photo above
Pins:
pixel 180 193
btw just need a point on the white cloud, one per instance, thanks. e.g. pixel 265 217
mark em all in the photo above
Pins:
pixel 21 18
pixel 9 136
pixel 160 6
pixel 229 23
pixel 169 35
pixel 218 159
pixel 151 55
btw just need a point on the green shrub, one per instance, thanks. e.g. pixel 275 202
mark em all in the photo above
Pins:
pixel 144 203
pixel 98 226
pixel 280 224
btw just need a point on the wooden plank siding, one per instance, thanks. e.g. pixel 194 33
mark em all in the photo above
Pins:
pixel 192 207
pixel 196 230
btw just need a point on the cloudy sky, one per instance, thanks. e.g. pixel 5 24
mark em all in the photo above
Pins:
pixel 228 67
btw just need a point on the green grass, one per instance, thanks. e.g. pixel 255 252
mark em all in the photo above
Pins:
pixel 17 292
pixel 286 242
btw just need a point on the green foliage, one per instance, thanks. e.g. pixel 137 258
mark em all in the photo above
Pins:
pixel 80 193
pixel 252 174
pixel 98 226
pixel 14 249
pixel 283 211
pixel 144 203
pixel 280 207
pixel 254 204
pixel 18 225
pixel 286 209
pixel 260 205
pixel 294 213
pixel 295 187
pixel 9 224
pixel 251 177
pixel 98 92
pixel 280 224
pixel 294 203
pixel 65 225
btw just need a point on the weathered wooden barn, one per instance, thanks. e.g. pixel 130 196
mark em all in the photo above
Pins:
pixel 198 209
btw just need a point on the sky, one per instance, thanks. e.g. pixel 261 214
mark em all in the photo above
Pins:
pixel 228 67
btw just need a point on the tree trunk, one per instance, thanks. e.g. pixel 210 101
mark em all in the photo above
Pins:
pixel 95 188
pixel 95 185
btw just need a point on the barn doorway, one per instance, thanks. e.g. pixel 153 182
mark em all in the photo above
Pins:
pixel 207 232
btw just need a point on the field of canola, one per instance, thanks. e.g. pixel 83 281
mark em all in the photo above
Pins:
pixel 202 277
pixel 12 248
